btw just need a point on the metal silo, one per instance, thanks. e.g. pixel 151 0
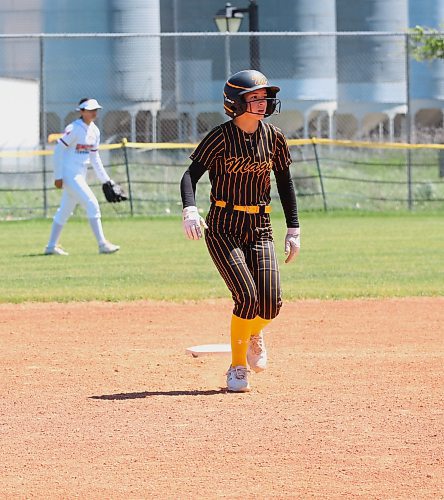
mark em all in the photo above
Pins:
pixel 137 59
pixel 76 68
pixel 306 65
pixel 371 69
pixel 314 57
pixel 137 65
pixel 303 66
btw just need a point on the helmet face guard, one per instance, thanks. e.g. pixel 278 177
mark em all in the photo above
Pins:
pixel 273 106
pixel 244 82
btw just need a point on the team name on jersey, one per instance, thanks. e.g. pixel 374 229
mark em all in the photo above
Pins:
pixel 243 165
pixel 83 148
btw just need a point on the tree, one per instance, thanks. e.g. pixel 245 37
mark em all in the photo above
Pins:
pixel 426 43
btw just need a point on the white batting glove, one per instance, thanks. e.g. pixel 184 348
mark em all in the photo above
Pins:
pixel 192 223
pixel 292 243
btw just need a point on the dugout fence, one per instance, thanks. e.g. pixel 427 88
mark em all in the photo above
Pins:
pixel 328 175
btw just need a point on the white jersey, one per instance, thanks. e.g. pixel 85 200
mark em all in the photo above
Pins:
pixel 77 147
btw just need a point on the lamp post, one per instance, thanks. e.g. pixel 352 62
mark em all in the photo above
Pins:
pixel 229 20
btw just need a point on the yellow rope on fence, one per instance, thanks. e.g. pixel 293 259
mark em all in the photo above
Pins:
pixel 22 154
pixel 188 145
pixel 367 144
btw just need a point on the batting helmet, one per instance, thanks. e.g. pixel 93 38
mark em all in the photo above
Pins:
pixel 247 81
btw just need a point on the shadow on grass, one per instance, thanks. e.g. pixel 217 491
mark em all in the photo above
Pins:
pixel 41 254
pixel 147 394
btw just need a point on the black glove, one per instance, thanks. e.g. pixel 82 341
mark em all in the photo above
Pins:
pixel 113 192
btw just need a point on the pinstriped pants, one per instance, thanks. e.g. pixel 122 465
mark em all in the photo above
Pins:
pixel 245 257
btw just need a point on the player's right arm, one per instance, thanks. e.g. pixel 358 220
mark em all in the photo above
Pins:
pixel 191 219
pixel 59 154
pixel 203 156
pixel 189 182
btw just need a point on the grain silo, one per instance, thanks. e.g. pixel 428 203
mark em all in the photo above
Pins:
pixel 371 69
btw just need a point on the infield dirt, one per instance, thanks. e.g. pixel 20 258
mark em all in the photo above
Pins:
pixel 99 400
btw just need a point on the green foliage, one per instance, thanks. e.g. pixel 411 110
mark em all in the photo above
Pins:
pixel 426 43
pixel 344 255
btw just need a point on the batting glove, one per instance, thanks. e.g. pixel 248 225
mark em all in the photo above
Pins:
pixel 292 243
pixel 192 223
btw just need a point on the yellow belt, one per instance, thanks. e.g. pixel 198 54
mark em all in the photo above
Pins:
pixel 251 209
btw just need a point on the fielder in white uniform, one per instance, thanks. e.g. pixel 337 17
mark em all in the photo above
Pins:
pixel 74 150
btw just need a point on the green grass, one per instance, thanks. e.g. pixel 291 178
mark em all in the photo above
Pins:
pixel 343 256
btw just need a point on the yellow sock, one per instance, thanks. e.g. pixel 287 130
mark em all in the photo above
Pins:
pixel 240 337
pixel 258 323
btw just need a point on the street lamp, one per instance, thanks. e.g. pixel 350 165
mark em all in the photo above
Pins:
pixel 230 19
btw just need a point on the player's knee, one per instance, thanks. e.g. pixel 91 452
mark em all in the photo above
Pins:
pixel 271 309
pixel 248 303
pixel 93 209
pixel 61 217
pixel 276 308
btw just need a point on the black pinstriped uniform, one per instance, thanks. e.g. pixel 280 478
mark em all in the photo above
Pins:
pixel 240 243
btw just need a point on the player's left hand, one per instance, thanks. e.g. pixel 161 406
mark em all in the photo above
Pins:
pixel 113 192
pixel 192 223
pixel 292 243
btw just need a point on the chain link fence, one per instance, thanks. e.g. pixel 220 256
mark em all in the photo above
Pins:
pixel 168 88
pixel 328 175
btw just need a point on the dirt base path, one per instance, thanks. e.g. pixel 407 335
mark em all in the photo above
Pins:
pixel 98 400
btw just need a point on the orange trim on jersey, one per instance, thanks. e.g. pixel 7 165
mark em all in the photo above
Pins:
pixel 250 209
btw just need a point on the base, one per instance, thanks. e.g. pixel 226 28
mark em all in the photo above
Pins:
pixel 208 349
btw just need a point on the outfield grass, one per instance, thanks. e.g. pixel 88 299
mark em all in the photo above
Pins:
pixel 343 256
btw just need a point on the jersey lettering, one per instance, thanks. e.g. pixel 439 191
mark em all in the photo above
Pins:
pixel 83 148
pixel 239 164
pixel 243 165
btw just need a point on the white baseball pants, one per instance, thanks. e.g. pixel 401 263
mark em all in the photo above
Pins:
pixel 76 190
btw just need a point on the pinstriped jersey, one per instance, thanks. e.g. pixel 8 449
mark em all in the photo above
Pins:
pixel 239 164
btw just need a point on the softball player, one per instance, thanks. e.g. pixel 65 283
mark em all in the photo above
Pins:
pixel 239 156
pixel 74 150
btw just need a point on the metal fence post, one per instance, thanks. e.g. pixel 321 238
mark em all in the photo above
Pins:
pixel 128 179
pixel 408 123
pixel 43 125
pixel 321 181
pixel 227 56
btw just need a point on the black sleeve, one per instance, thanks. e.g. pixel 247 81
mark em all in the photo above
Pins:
pixel 188 183
pixel 287 194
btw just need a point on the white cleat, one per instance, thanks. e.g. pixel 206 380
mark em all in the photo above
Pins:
pixel 257 353
pixel 237 379
pixel 108 247
pixel 55 251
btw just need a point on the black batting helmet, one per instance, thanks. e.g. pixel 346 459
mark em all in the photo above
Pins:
pixel 243 82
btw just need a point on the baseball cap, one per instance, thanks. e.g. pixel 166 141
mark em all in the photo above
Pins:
pixel 89 105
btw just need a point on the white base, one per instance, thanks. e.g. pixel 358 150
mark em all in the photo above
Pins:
pixel 208 349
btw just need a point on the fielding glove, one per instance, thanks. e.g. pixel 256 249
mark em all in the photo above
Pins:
pixel 192 223
pixel 113 192
pixel 292 243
